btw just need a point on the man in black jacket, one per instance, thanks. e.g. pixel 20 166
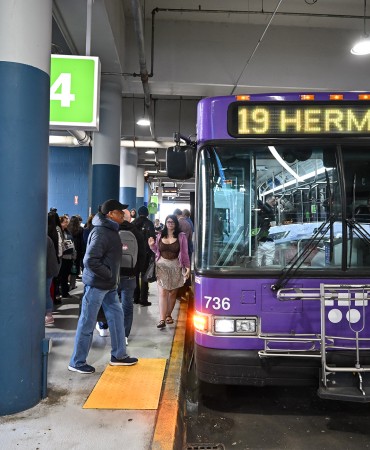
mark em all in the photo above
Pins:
pixel 101 275
pixel 146 227
pixel 127 283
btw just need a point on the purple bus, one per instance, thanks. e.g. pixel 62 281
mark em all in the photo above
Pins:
pixel 282 241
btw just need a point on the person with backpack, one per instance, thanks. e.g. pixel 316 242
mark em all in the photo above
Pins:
pixel 132 263
pixel 101 275
pixel 146 227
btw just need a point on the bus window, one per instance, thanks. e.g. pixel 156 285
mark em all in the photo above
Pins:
pixel 263 206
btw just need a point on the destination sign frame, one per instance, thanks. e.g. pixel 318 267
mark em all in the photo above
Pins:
pixel 298 119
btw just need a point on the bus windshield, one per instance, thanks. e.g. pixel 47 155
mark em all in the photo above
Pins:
pixel 265 207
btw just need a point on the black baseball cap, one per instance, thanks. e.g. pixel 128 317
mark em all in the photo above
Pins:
pixel 111 205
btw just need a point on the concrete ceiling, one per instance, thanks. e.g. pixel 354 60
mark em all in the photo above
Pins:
pixel 204 48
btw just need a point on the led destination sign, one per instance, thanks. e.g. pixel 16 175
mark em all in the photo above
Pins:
pixel 251 120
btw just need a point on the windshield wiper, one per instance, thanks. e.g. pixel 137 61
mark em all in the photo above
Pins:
pixel 299 259
pixel 359 230
pixel 352 218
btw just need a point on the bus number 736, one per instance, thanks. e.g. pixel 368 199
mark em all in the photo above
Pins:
pixel 217 303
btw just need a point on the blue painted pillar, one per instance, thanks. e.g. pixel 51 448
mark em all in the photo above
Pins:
pixel 106 144
pixel 25 39
pixel 140 187
pixel 127 185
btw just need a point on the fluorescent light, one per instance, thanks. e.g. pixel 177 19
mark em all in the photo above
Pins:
pixel 280 160
pixel 361 47
pixel 150 152
pixel 303 178
pixel 143 122
pixel 70 141
pixel 146 144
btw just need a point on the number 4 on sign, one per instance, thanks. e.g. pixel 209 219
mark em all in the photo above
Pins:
pixel 64 96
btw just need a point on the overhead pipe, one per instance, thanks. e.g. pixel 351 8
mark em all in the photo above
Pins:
pixel 82 137
pixel 229 12
pixel 139 29
pixel 259 12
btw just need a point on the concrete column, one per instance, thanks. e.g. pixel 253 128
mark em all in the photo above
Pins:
pixel 127 184
pixel 140 187
pixel 106 144
pixel 25 40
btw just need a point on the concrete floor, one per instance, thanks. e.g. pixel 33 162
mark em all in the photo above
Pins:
pixel 59 421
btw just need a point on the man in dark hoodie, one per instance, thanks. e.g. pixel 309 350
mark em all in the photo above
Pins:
pixel 101 277
pixel 128 276
pixel 146 227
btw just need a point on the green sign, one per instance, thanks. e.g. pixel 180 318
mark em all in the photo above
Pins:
pixel 74 92
pixel 153 204
pixel 152 208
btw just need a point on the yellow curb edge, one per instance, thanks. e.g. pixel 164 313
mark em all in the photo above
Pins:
pixel 169 427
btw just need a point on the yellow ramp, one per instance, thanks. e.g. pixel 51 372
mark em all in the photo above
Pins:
pixel 129 387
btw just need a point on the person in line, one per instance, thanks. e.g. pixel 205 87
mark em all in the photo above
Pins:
pixel 87 228
pixel 52 270
pixel 266 220
pixel 133 214
pixel 127 282
pixel 76 231
pixel 186 228
pixel 69 255
pixel 186 214
pixel 56 235
pixel 146 227
pixel 172 266
pixel 101 276
pixel 158 226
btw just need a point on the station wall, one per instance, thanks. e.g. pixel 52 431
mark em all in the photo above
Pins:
pixel 69 180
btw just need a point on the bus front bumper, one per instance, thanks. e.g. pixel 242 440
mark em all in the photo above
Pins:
pixel 245 367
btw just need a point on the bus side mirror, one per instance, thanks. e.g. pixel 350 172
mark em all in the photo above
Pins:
pixel 180 161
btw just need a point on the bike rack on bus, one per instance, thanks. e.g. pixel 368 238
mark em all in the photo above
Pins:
pixel 351 383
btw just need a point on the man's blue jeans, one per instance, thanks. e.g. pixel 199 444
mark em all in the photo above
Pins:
pixel 127 287
pixel 92 300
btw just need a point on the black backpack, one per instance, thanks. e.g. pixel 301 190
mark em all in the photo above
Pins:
pixel 129 249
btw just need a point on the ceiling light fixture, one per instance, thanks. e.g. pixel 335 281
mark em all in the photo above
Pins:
pixel 150 152
pixel 362 47
pixel 144 121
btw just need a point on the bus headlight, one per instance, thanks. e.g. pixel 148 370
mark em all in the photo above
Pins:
pixel 224 325
pixel 234 326
pixel 246 325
